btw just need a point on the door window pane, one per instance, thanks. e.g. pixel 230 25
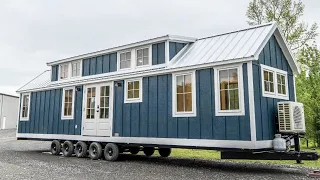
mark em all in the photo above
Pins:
pixel 90 109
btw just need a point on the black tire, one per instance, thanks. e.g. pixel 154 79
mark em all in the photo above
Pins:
pixel 148 151
pixel 67 148
pixel 55 147
pixel 111 152
pixel 81 149
pixel 95 151
pixel 164 152
pixel 134 150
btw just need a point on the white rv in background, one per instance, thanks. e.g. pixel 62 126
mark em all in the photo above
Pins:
pixel 8 111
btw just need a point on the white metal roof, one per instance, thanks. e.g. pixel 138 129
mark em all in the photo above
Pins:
pixel 39 82
pixel 236 46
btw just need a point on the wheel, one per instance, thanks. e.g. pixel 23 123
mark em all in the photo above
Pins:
pixel 164 152
pixel 81 149
pixel 55 147
pixel 95 150
pixel 134 150
pixel 67 148
pixel 148 151
pixel 111 152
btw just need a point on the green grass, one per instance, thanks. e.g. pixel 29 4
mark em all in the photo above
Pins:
pixel 215 155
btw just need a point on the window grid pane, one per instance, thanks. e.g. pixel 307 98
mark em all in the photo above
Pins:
pixel 64 71
pixel 184 93
pixel 67 111
pixel 25 106
pixel 133 89
pixel 268 81
pixel 281 81
pixel 142 57
pixel 125 60
pixel 229 89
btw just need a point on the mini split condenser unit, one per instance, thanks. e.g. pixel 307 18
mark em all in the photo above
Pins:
pixel 291 117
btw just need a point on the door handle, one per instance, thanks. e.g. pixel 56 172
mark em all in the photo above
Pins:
pixel 98 108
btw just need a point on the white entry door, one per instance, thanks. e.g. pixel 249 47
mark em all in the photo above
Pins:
pixel 97 118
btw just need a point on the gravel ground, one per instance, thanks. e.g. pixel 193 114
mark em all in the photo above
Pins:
pixel 32 160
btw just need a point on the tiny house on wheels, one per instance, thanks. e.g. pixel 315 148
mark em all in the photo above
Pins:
pixel 220 92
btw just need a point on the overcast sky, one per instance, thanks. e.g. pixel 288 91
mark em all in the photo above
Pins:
pixel 36 31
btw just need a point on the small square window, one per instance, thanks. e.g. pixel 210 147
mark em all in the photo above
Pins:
pixel 133 91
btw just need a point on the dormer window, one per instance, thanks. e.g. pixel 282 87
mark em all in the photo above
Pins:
pixel 75 68
pixel 142 57
pixel 64 71
pixel 125 60
pixel 70 70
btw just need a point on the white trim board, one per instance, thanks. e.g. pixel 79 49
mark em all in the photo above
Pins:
pixel 205 143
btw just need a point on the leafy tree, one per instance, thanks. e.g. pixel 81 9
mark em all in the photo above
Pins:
pixel 308 90
pixel 287 14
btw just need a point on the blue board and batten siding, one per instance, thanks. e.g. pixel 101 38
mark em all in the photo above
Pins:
pixel 158 53
pixel 100 64
pixel 153 116
pixel 266 108
pixel 45 114
pixel 54 73
pixel 174 48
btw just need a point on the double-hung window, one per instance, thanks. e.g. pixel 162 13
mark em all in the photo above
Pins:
pixel 184 94
pixel 64 71
pixel 142 57
pixel 229 91
pixel 133 91
pixel 75 68
pixel 25 107
pixel 68 103
pixel 274 82
pixel 125 60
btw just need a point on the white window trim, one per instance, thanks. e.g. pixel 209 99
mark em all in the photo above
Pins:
pixel 241 111
pixel 192 113
pixel 73 101
pixel 21 104
pixel 149 56
pixel 69 71
pixel 276 94
pixel 132 100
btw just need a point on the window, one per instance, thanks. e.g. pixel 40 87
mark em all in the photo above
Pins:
pixel 25 107
pixel 281 79
pixel 184 94
pixel 133 91
pixel 142 57
pixel 68 103
pixel 75 69
pixel 64 71
pixel 268 81
pixel 125 60
pixel 275 83
pixel 229 91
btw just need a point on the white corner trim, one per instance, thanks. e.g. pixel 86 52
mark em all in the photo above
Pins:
pixel 294 87
pixel 251 102
pixel 21 105
pixel 192 113
pixel 73 101
pixel 204 143
pixel 241 111
pixel 275 72
pixel 133 100
pixel 166 52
